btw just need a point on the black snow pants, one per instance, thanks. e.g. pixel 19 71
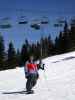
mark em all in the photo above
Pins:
pixel 31 81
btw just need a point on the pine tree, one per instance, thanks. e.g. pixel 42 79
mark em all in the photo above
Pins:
pixel 33 49
pixel 59 43
pixel 25 51
pixel 50 46
pixel 72 35
pixel 18 58
pixel 38 50
pixel 12 59
pixel 42 48
pixel 56 45
pixel 2 52
pixel 66 38
pixel 63 42
pixel 47 46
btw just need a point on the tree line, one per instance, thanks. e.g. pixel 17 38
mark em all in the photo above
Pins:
pixel 64 42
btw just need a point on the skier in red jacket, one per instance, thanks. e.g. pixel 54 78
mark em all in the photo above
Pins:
pixel 31 73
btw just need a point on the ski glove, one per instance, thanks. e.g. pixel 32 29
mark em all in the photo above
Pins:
pixel 41 66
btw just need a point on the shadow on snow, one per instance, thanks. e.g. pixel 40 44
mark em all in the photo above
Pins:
pixel 15 92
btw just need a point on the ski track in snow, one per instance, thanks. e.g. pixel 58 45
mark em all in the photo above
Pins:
pixel 57 82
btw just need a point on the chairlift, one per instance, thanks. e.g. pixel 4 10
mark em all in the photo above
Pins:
pixel 35 24
pixel 61 21
pixel 44 20
pixel 22 20
pixel 73 22
pixel 5 26
pixel 58 25
pixel 5 23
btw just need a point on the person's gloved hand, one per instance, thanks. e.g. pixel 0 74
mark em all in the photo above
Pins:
pixel 26 74
pixel 42 66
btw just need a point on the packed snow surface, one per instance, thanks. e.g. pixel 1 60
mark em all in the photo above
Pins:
pixel 56 82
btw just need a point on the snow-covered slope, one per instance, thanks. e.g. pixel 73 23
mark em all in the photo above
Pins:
pixel 57 82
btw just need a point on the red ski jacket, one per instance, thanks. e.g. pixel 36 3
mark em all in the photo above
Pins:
pixel 32 67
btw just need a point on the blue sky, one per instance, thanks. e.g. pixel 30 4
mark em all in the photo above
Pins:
pixel 33 9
